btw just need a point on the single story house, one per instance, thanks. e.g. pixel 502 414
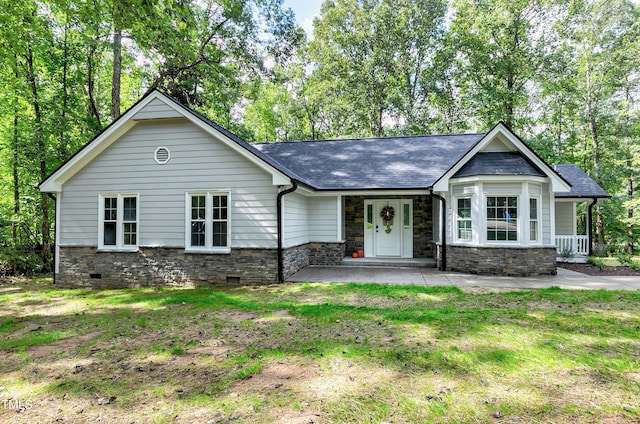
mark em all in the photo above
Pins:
pixel 165 196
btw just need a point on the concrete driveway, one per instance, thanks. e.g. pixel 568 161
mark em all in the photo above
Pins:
pixel 431 277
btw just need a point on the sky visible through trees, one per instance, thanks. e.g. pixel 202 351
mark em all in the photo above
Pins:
pixel 564 75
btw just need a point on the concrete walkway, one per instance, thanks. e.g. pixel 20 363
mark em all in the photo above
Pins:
pixel 431 277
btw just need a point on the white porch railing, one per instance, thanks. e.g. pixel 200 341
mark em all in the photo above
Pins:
pixel 577 245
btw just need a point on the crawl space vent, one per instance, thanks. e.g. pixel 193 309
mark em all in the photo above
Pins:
pixel 162 155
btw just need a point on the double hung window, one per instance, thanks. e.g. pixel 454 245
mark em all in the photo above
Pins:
pixel 502 218
pixel 533 219
pixel 118 227
pixel 208 222
pixel 463 218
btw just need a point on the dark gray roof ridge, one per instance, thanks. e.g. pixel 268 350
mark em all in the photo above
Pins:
pixel 389 137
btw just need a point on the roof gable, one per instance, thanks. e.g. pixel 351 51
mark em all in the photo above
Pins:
pixel 500 133
pixel 157 105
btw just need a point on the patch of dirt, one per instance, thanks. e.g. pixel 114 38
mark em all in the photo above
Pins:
pixel 68 344
pixel 620 271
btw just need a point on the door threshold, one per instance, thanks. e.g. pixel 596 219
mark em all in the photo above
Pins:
pixel 390 262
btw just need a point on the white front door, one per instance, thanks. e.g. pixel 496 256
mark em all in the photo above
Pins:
pixel 387 232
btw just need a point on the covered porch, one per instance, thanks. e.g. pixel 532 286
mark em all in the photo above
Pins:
pixel 573 229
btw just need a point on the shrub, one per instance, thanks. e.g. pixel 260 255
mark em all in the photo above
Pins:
pixel 20 261
pixel 600 250
pixel 624 258
pixel 566 253
pixel 597 262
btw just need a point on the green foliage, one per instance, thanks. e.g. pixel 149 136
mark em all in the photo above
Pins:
pixel 566 253
pixel 20 261
pixel 564 75
pixel 600 250
pixel 597 262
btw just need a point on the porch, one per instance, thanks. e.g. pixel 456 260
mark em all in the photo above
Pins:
pixel 572 245
pixel 572 220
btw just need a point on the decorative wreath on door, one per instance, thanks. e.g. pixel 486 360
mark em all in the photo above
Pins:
pixel 387 213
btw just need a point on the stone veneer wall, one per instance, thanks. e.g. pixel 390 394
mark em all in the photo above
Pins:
pixel 354 216
pixel 516 261
pixel 294 259
pixel 85 267
pixel 326 253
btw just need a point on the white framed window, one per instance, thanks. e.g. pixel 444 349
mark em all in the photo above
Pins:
pixel 463 219
pixel 208 222
pixel 534 220
pixel 119 221
pixel 502 218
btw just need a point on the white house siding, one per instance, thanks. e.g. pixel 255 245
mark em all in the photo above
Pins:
pixel 323 218
pixel 157 109
pixel 295 220
pixel 198 162
pixel 546 216
pixel 564 218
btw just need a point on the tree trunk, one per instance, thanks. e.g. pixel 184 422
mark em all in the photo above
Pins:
pixel 65 96
pixel 16 164
pixel 595 146
pixel 91 87
pixel 117 71
pixel 630 213
pixel 39 137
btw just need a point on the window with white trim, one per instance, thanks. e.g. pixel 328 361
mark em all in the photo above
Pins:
pixel 118 223
pixel 502 218
pixel 208 222
pixel 533 219
pixel 463 219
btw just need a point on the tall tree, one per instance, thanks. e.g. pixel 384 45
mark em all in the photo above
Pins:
pixel 373 53
pixel 599 40
pixel 500 46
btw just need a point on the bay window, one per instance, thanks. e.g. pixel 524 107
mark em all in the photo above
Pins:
pixel 502 218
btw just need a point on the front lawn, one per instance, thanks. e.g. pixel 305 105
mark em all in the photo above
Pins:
pixel 318 353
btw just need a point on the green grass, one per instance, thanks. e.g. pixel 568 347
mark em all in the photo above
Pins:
pixel 346 352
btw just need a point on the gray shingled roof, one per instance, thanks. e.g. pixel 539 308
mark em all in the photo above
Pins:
pixel 498 163
pixel 581 184
pixel 372 163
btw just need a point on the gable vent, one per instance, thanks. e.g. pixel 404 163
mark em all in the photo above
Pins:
pixel 162 155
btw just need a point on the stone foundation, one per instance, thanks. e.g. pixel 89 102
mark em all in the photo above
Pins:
pixel 516 261
pixel 158 267
pixel 323 253
pixel 294 259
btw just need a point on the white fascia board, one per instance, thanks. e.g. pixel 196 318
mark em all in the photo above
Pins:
pixel 112 133
pixel 54 183
pixel 500 179
pixel 277 177
pixel 125 123
pixel 558 185
pixel 373 192
pixel 574 200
